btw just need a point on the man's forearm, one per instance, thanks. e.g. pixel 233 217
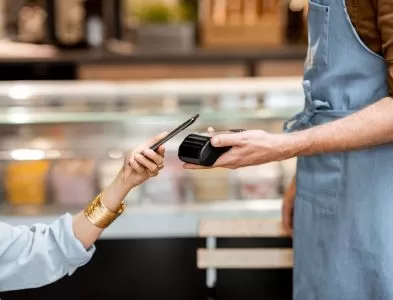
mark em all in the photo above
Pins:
pixel 369 127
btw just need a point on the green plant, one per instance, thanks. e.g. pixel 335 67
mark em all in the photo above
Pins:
pixel 161 13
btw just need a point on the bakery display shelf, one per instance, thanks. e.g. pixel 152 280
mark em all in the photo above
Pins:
pixel 154 220
pixel 20 90
pixel 25 117
pixel 148 101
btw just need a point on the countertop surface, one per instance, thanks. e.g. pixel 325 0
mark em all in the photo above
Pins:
pixel 149 221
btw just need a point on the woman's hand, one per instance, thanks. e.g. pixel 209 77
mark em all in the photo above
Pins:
pixel 137 169
pixel 139 165
pixel 143 163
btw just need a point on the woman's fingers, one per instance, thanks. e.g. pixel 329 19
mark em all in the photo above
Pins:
pixel 154 157
pixel 136 166
pixel 145 162
pixel 161 151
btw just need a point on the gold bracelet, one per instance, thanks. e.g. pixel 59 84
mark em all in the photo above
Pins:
pixel 101 216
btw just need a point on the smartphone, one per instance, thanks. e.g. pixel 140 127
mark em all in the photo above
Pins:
pixel 174 132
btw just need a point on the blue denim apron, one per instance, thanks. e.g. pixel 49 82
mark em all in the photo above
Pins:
pixel 343 223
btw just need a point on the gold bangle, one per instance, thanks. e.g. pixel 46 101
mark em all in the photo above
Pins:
pixel 101 216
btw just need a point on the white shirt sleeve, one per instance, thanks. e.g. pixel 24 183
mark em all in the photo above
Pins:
pixel 35 256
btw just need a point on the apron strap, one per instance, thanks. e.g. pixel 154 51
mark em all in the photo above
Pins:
pixel 303 119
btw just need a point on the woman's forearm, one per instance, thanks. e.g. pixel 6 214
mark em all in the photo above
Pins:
pixel 86 232
pixel 369 127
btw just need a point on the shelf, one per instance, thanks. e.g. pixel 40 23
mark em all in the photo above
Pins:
pixel 189 57
pixel 173 87
pixel 33 102
pixel 161 221
pixel 134 118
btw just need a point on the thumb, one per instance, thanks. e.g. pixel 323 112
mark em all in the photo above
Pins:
pixel 225 140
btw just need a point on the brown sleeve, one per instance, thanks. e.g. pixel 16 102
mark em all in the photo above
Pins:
pixel 385 23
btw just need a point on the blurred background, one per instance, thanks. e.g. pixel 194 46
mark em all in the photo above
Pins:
pixel 84 80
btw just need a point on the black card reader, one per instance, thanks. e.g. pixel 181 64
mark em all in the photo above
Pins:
pixel 197 149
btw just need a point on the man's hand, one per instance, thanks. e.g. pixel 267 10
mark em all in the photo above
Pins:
pixel 288 208
pixel 251 147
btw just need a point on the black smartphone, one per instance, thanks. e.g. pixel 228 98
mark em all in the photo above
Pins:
pixel 174 132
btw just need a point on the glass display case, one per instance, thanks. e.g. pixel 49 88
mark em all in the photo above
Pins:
pixel 61 142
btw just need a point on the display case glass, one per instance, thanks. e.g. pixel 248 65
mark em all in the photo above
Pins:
pixel 61 142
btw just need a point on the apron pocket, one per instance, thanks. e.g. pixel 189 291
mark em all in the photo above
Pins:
pixel 318 21
pixel 319 179
pixel 320 2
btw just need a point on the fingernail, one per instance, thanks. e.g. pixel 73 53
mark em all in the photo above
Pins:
pixel 215 141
